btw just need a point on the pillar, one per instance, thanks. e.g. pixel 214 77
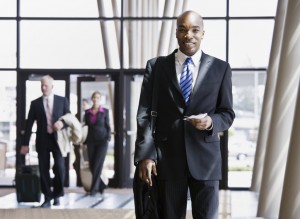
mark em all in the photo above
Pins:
pixel 282 117
pixel 265 118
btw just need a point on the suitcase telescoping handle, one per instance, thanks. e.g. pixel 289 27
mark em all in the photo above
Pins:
pixel 27 159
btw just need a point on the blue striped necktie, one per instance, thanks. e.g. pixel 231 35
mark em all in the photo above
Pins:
pixel 186 80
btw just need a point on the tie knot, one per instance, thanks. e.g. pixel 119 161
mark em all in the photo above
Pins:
pixel 188 60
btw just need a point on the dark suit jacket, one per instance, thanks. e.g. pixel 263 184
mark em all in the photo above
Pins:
pixel 179 145
pixel 37 113
pixel 100 131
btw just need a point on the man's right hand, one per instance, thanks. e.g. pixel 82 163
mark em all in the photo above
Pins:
pixel 24 149
pixel 146 168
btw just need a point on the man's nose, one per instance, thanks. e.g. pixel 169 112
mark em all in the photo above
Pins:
pixel 187 35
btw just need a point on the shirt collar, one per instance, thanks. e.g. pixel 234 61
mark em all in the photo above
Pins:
pixel 50 97
pixel 182 57
pixel 101 109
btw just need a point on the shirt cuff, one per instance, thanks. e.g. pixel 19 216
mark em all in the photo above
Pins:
pixel 210 128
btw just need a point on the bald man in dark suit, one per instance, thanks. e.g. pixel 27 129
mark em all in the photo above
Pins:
pixel 185 152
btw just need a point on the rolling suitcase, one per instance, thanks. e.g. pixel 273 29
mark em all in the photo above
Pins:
pixel 28 188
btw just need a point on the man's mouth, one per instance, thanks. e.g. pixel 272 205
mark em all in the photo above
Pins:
pixel 188 44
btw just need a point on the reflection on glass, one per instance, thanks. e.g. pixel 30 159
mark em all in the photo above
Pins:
pixel 246 8
pixel 8 46
pixel 250 43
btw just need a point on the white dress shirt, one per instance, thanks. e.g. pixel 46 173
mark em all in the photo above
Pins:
pixel 50 100
pixel 48 111
pixel 193 66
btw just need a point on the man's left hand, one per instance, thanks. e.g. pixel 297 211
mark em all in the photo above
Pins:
pixel 58 125
pixel 201 124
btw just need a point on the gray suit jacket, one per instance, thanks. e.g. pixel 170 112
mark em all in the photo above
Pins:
pixel 178 147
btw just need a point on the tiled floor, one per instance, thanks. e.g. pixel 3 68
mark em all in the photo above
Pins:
pixel 72 200
pixel 233 204
pixel 241 204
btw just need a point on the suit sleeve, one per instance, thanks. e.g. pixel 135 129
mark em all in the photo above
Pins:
pixel 66 110
pixel 107 125
pixel 144 145
pixel 224 114
pixel 66 106
pixel 29 123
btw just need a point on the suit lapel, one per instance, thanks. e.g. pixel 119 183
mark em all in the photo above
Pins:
pixel 170 70
pixel 206 62
pixel 41 106
pixel 54 107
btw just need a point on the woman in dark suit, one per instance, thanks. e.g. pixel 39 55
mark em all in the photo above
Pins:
pixel 99 133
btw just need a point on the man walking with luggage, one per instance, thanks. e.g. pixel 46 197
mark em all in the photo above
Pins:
pixel 46 111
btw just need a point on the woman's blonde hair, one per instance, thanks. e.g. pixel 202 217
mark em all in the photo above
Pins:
pixel 95 93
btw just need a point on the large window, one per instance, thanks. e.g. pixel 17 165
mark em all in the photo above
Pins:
pixel 121 35
pixel 62 44
pixel 7 125
pixel 8 44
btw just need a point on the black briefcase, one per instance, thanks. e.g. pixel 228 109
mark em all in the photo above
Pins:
pixel 28 187
pixel 145 198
